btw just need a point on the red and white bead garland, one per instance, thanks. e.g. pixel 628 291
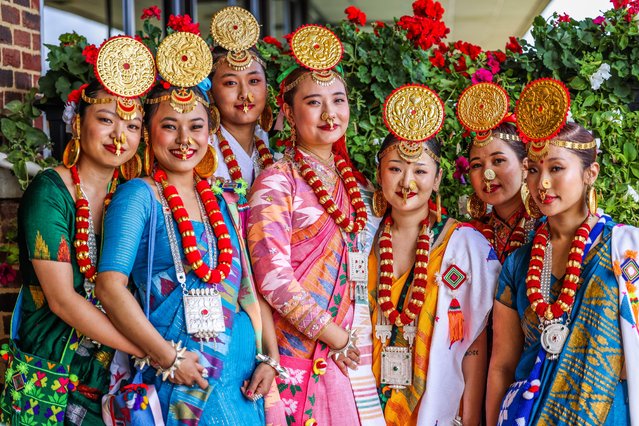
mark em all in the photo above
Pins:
pixel 266 158
pixel 420 276
pixel 189 242
pixel 82 212
pixel 571 280
pixel 346 173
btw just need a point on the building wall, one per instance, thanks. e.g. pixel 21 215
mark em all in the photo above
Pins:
pixel 20 68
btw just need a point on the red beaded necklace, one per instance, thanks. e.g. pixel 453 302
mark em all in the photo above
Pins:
pixel 266 158
pixel 420 277
pixel 325 199
pixel 189 242
pixel 571 280
pixel 82 215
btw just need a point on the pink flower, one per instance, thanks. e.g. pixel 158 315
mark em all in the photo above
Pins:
pixel 7 275
pixel 461 168
pixel 151 12
pixel 492 62
pixel 599 20
pixel 482 75
pixel 273 41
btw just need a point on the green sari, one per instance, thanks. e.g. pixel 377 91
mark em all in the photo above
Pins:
pixel 46 229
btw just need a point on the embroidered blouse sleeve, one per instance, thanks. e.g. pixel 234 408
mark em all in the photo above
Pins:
pixel 269 242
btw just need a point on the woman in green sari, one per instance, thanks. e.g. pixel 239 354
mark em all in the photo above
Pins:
pixel 59 222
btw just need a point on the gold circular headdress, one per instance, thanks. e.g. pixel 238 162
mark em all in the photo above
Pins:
pixel 317 49
pixel 236 30
pixel 541 112
pixel 413 113
pixel 184 60
pixel 126 69
pixel 481 108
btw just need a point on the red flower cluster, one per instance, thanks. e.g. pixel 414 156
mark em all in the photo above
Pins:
pixel 273 41
pixel 428 9
pixel 90 53
pixel 468 49
pixel 631 6
pixel 437 60
pixel 376 26
pixel 425 28
pixel 564 18
pixel 183 23
pixel 355 15
pixel 514 46
pixel 151 12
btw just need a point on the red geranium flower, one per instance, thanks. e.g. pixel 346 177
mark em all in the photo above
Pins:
pixel 90 53
pixel 499 55
pixel 437 59
pixel 514 46
pixel 183 23
pixel 423 32
pixel 468 49
pixel 355 15
pixel 460 66
pixel 151 12
pixel 428 9
pixel 564 18
pixel 273 41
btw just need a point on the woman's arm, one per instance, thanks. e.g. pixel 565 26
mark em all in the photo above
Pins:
pixel 56 280
pixel 128 317
pixel 508 343
pixel 474 366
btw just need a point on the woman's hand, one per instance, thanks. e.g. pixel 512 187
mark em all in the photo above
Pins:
pixel 260 383
pixel 189 372
pixel 351 360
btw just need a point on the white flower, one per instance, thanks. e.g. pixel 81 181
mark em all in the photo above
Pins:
pixel 290 406
pixel 68 114
pixel 296 376
pixel 633 193
pixel 599 76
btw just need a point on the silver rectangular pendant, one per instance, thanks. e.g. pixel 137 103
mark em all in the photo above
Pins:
pixel 358 267
pixel 203 313
pixel 397 366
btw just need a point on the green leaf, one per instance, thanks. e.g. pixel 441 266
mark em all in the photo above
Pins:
pixel 589 101
pixel 578 83
pixel 629 151
pixel 14 106
pixel 63 87
pixel 9 129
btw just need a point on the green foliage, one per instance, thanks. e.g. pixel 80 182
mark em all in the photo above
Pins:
pixel 20 140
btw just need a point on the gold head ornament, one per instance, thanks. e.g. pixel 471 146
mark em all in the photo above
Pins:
pixel 541 111
pixel 317 49
pixel 236 30
pixel 183 60
pixel 126 69
pixel 414 114
pixel 481 108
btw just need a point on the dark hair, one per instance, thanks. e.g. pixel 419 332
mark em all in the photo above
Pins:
pixel 159 90
pixel 573 132
pixel 432 144
pixel 518 147
pixel 219 52
pixel 293 76
pixel 91 91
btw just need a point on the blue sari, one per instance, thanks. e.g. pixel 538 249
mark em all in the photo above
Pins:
pixel 230 359
pixel 583 385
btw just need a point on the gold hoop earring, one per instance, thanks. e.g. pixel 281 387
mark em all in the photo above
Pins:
pixel 476 207
pixel 149 158
pixel 215 118
pixel 207 166
pixel 380 205
pixel 266 118
pixel 293 137
pixel 529 204
pixel 592 199
pixel 72 150
pixel 132 168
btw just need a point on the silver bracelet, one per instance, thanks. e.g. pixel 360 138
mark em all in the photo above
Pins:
pixel 350 344
pixel 281 371
pixel 179 357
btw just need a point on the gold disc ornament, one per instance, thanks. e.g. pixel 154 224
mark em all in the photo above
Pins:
pixel 542 109
pixel 316 48
pixel 184 59
pixel 125 67
pixel 482 107
pixel 413 113
pixel 235 29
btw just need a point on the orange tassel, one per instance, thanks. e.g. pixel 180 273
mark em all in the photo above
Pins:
pixel 455 321
pixel 631 288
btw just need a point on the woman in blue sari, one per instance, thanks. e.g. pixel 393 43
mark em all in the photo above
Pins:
pixel 205 321
pixel 564 326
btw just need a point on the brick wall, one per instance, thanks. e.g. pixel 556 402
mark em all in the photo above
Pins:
pixel 19 71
